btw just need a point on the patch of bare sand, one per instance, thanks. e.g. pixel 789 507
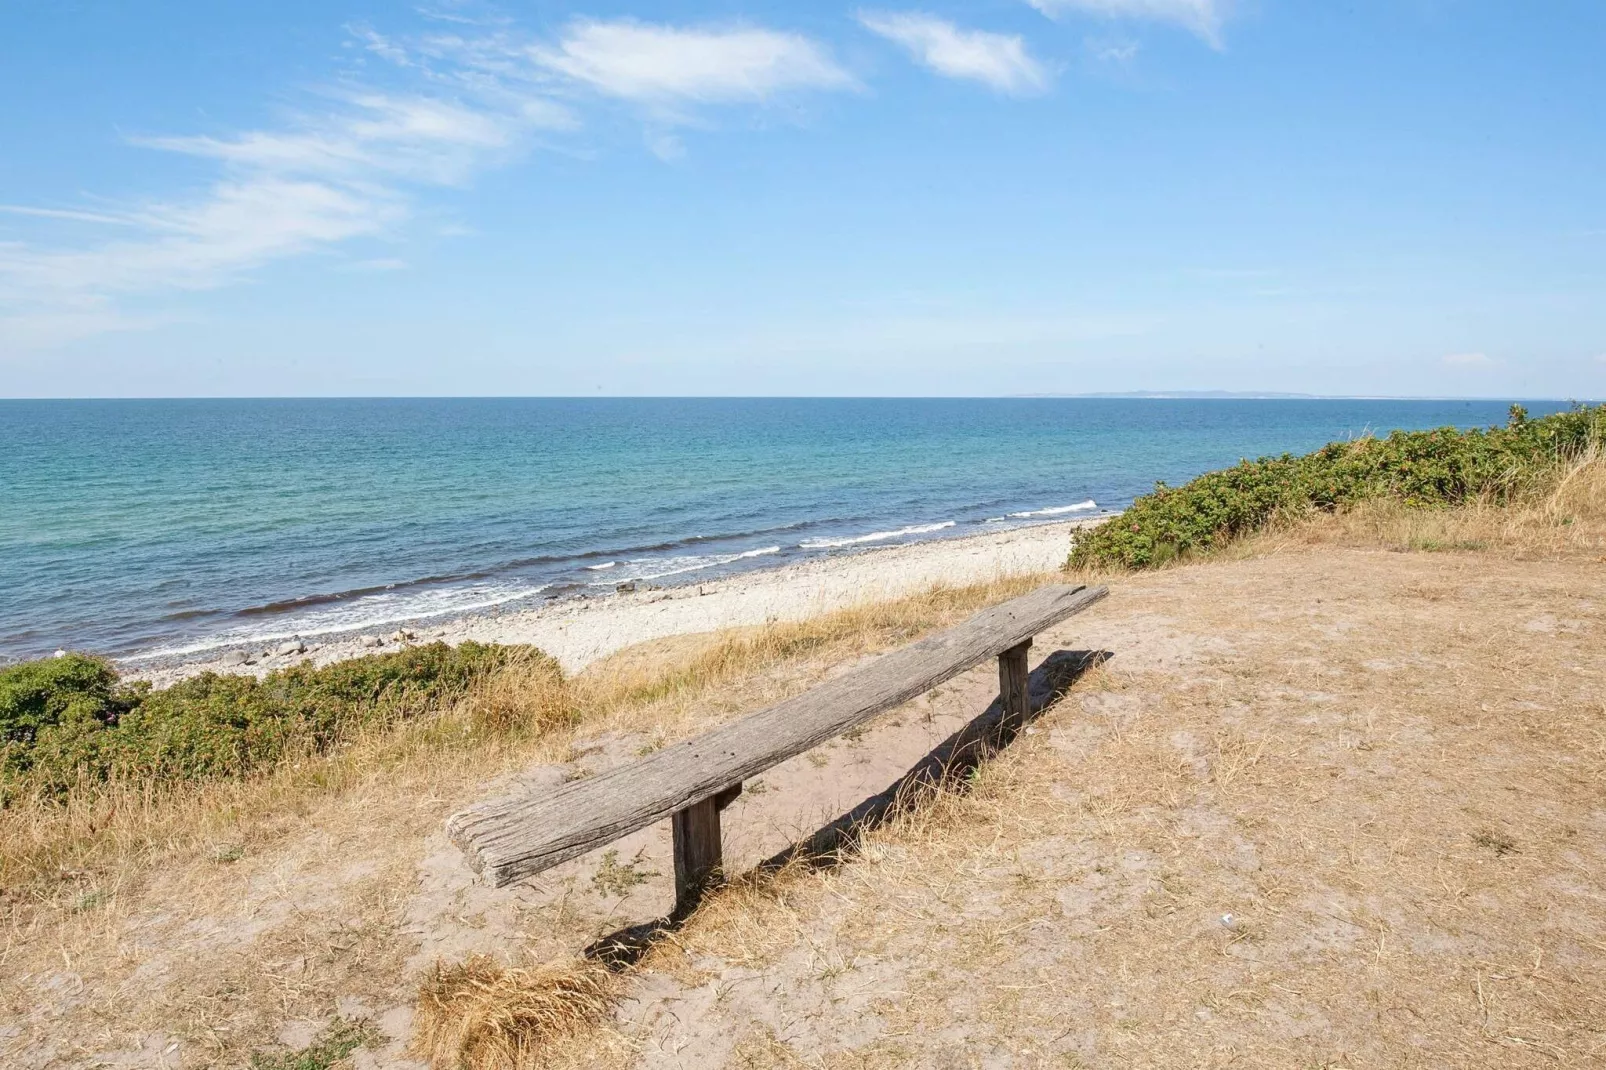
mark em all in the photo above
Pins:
pixel 1356 819
pixel 1375 763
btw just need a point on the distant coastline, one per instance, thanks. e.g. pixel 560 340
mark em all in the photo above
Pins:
pixel 1251 395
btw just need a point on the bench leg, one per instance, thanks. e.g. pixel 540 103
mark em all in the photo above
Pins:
pixel 697 852
pixel 1012 686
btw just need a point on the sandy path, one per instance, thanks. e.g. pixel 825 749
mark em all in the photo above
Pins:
pixel 580 631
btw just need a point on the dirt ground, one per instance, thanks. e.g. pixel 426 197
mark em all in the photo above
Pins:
pixel 1325 806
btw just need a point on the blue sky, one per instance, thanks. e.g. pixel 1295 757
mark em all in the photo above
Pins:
pixel 1400 197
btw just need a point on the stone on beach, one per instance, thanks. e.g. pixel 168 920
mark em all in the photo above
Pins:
pixel 578 631
pixel 372 640
pixel 294 646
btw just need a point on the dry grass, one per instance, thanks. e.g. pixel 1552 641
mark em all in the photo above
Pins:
pixel 484 1014
pixel 526 712
pixel 640 681
pixel 1559 512
pixel 1563 515
pixel 1566 516
pixel 79 884
pixel 1410 857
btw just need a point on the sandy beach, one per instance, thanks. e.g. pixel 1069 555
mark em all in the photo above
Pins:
pixel 579 631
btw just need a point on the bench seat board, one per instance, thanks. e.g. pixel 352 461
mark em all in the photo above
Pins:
pixel 510 838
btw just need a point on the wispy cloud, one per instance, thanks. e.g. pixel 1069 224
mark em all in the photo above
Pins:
pixel 312 185
pixel 1469 360
pixel 352 165
pixel 73 214
pixel 1202 17
pixel 996 59
pixel 378 264
pixel 415 138
pixel 1107 50
pixel 656 64
pixel 666 146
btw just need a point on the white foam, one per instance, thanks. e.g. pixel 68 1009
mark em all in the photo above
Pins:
pixel 1057 510
pixel 658 568
pixel 601 567
pixel 875 536
pixel 368 611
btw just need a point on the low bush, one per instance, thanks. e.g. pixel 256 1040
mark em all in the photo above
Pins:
pixel 68 721
pixel 1425 468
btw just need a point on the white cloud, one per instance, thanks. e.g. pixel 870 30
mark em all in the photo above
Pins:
pixel 999 60
pixel 282 193
pixel 1113 51
pixel 411 137
pixel 651 64
pixel 239 224
pixel 1202 17
pixel 666 146
pixel 74 214
pixel 380 45
pixel 353 168
pixel 1469 360
pixel 382 263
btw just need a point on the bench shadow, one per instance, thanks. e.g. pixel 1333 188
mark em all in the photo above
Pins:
pixel 945 768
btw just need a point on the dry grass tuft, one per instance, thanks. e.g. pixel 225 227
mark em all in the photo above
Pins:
pixel 1563 514
pixel 1558 512
pixel 631 683
pixel 526 698
pixel 1566 518
pixel 482 1014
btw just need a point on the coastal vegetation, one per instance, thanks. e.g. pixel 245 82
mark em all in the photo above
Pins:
pixel 70 723
pixel 1432 469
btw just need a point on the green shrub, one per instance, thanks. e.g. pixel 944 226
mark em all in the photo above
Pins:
pixel 1426 468
pixel 67 721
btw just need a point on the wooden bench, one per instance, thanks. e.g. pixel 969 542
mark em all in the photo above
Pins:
pixel 691 782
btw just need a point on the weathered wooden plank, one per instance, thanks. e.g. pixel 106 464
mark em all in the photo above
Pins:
pixel 506 839
pixel 699 851
pixel 1012 685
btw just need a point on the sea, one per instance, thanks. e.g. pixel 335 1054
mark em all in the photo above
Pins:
pixel 164 528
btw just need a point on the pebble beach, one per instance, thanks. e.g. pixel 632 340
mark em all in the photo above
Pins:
pixel 579 631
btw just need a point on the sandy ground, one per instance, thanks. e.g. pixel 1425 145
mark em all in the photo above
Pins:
pixel 1327 807
pixel 579 631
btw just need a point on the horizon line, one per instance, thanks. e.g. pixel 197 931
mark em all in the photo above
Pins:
pixel 1133 395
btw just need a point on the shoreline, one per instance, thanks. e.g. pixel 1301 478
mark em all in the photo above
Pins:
pixel 580 631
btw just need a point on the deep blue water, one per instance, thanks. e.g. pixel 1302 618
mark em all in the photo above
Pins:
pixel 138 526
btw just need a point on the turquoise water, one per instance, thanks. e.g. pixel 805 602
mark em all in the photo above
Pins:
pixel 141 527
